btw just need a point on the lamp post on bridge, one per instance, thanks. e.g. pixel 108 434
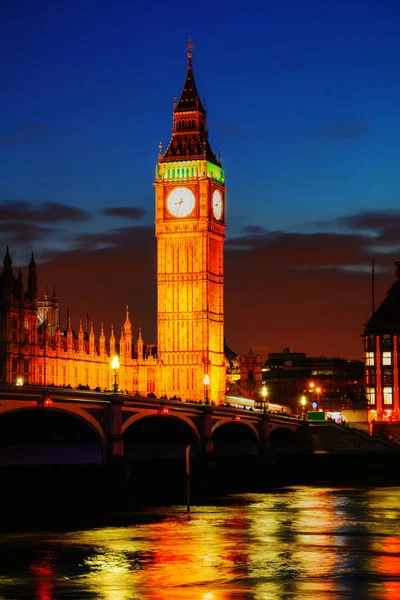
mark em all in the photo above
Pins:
pixel 303 402
pixel 115 367
pixel 206 382
pixel 264 394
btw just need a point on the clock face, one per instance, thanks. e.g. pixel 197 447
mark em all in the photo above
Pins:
pixel 217 204
pixel 180 202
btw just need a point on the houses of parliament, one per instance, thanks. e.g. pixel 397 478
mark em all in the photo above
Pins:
pixel 190 232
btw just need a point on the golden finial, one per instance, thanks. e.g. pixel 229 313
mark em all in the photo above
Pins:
pixel 190 48
pixel 159 156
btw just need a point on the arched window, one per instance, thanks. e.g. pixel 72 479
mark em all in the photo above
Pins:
pixel 187 172
pixel 173 173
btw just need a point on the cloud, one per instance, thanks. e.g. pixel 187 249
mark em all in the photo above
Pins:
pixel 382 225
pixel 373 220
pixel 122 238
pixel 29 133
pixel 25 233
pixel 345 131
pixel 128 212
pixel 47 212
pixel 253 229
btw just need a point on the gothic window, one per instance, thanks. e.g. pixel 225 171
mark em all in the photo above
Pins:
pixel 173 173
pixel 370 376
pixel 386 342
pixel 26 332
pixel 14 329
pixel 26 370
pixel 192 172
pixel 386 358
pixel 370 343
pixel 387 395
pixel 387 377
pixel 369 359
pixel 370 393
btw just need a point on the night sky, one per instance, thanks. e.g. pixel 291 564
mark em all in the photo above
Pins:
pixel 303 99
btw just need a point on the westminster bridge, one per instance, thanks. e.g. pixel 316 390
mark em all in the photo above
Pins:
pixel 61 425
pixel 107 427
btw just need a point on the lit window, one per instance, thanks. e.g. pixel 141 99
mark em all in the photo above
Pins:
pixel 387 395
pixel 386 358
pixel 369 359
pixel 370 393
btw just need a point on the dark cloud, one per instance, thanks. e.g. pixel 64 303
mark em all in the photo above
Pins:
pixel 382 225
pixel 253 229
pixel 373 220
pixel 30 133
pixel 347 131
pixel 47 212
pixel 128 212
pixel 24 233
pixel 122 238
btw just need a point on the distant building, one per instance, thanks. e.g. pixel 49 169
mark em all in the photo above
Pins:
pixel 381 342
pixel 329 382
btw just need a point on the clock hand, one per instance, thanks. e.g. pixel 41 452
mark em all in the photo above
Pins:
pixel 180 202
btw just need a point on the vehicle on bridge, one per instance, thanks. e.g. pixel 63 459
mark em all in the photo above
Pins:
pixel 249 403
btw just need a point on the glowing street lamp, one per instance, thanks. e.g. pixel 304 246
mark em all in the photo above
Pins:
pixel 318 391
pixel 303 402
pixel 264 394
pixel 20 381
pixel 115 367
pixel 206 382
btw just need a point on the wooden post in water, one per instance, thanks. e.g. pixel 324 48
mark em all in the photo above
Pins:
pixel 188 479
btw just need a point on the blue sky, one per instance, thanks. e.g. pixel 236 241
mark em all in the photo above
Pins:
pixel 303 100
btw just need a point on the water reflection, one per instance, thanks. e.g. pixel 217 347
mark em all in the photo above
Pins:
pixel 295 543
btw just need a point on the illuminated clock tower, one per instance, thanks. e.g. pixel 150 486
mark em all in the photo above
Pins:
pixel 190 232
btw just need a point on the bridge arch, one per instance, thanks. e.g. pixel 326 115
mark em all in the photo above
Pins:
pixel 38 415
pixel 138 416
pixel 233 437
pixel 284 440
pixel 172 432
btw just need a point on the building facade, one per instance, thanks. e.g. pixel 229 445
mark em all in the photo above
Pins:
pixel 35 349
pixel 381 345
pixel 188 362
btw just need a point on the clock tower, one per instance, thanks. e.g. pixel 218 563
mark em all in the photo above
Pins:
pixel 190 232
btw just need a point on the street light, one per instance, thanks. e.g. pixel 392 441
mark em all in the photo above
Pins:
pixel 264 394
pixel 20 381
pixel 318 391
pixel 115 367
pixel 303 402
pixel 206 382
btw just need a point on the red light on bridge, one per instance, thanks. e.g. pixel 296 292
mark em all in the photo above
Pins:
pixel 163 411
pixel 48 402
pixel 237 418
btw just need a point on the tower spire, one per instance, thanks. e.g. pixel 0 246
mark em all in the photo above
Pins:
pixel 189 125
pixel 190 48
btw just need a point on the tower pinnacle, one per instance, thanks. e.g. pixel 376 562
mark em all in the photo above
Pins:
pixel 190 48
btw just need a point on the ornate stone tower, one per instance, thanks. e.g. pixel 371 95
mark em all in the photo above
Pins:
pixel 190 231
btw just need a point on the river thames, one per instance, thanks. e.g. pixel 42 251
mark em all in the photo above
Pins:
pixel 288 543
